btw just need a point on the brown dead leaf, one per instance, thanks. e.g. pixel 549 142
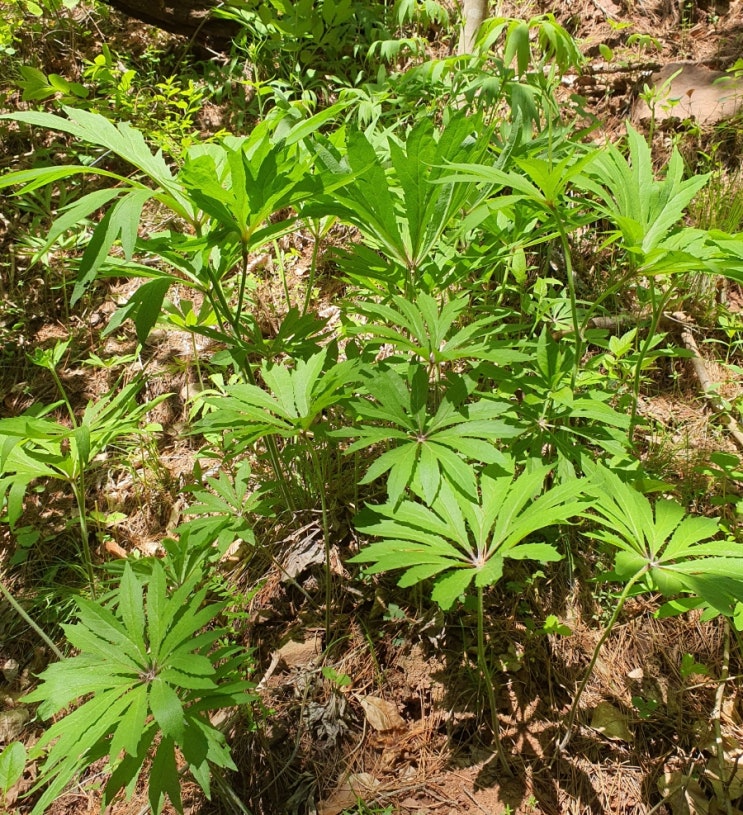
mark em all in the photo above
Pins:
pixel 295 654
pixel 683 794
pixel 113 548
pixel 381 714
pixel 348 792
pixel 611 722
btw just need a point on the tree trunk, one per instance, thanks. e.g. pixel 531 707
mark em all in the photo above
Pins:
pixel 473 14
pixel 191 18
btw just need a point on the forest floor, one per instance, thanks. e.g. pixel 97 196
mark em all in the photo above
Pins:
pixel 404 736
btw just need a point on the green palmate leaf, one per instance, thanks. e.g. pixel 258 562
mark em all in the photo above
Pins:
pixel 101 623
pixel 64 685
pixel 297 399
pixel 136 677
pixel 426 447
pixel 78 211
pixel 428 329
pixel 645 210
pixel 461 538
pixel 128 733
pixel 84 639
pixel 131 609
pixel 187 623
pixel 673 552
pixel 122 139
pixel 399 211
pixel 451 586
pixel 156 605
pixel 129 768
pixel 144 307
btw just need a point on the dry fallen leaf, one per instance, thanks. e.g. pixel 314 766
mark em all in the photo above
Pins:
pixel 295 654
pixel 683 794
pixel 611 722
pixel 114 549
pixel 348 792
pixel 381 714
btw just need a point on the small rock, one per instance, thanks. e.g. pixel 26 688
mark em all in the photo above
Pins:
pixel 10 670
pixel 12 723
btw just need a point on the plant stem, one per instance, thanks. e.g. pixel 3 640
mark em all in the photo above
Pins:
pixel 18 608
pixel 241 293
pixel 567 257
pixel 487 678
pixel 65 398
pixel 658 309
pixel 225 317
pixel 313 269
pixel 197 360
pixel 320 485
pixel 78 487
pixel 570 720
pixel 724 795
pixel 282 274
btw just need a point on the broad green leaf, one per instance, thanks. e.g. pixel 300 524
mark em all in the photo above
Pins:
pixel 131 608
pixel 155 607
pixel 78 211
pixel 191 663
pixel 166 708
pixel 123 652
pixel 164 778
pixel 129 731
pixel 451 586
pixel 462 537
pixel 12 764
pixel 102 623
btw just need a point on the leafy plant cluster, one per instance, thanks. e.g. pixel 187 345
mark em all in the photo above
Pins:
pixel 464 399
pixel 164 107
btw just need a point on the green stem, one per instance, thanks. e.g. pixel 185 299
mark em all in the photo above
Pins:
pixel 320 485
pixel 65 398
pixel 18 608
pixel 658 309
pixel 313 268
pixel 487 678
pixel 197 360
pixel 78 487
pixel 567 257
pixel 241 293
pixel 225 316
pixel 570 720
pixel 278 254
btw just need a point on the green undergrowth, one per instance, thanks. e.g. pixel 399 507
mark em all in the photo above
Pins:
pixel 465 408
